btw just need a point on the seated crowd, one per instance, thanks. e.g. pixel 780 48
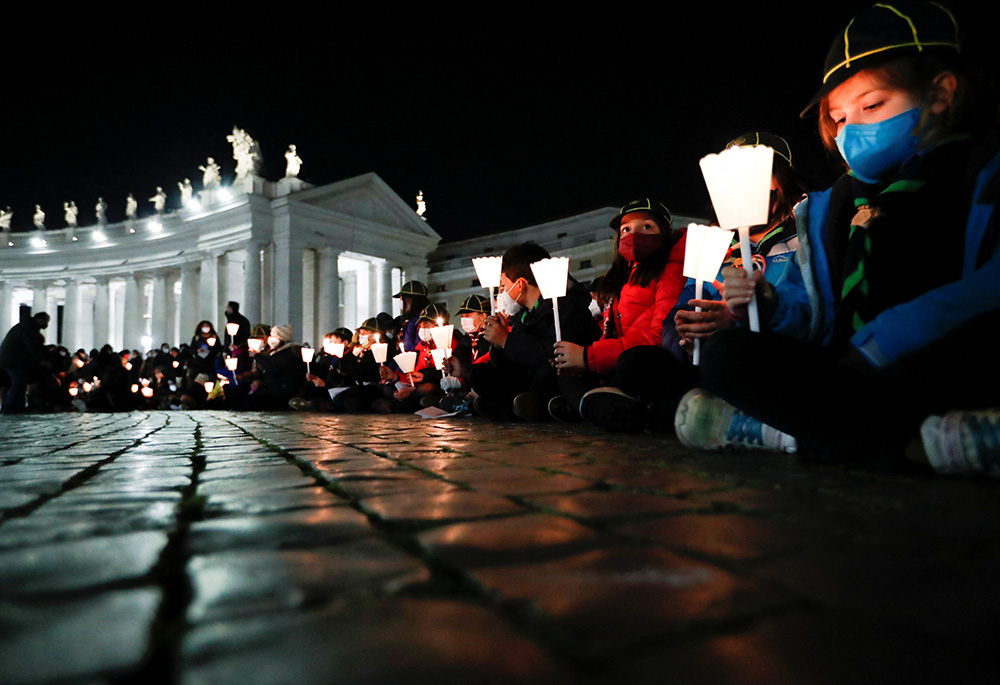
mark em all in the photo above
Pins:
pixel 867 350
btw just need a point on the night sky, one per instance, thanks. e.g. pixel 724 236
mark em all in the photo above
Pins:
pixel 503 120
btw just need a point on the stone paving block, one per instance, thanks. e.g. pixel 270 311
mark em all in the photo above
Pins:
pixel 60 520
pixel 295 529
pixel 420 509
pixel 828 648
pixel 723 536
pixel 268 500
pixel 619 598
pixel 246 582
pixel 379 641
pixel 510 540
pixel 79 640
pixel 76 565
pixel 363 486
pixel 254 483
pixel 609 505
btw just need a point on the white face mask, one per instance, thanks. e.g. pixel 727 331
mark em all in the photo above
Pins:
pixel 363 339
pixel 507 305
pixel 273 341
pixel 424 334
pixel 595 308
pixel 206 330
pixel 468 324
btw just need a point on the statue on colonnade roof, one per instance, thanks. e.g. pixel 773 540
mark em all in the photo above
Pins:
pixel 70 213
pixel 159 200
pixel 210 174
pixel 101 211
pixel 186 192
pixel 39 218
pixel 293 163
pixel 421 205
pixel 5 216
pixel 131 207
pixel 244 152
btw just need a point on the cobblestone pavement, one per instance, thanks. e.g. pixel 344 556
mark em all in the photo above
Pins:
pixel 215 547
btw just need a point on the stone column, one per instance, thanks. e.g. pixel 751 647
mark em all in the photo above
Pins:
pixel 158 330
pixel 288 283
pixel 133 321
pixel 250 306
pixel 71 316
pixel 208 289
pixel 102 312
pixel 6 315
pixel 383 278
pixel 170 308
pixel 328 309
pixel 189 300
pixel 39 298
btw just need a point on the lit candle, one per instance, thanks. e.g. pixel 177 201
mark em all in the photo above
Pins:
pixel 307 356
pixel 739 183
pixel 232 329
pixel 211 341
pixel 703 254
pixel 135 387
pixel 380 350
pixel 552 275
pixel 147 392
pixel 488 270
pixel 209 385
pixel 73 390
pixel 406 361
pixel 255 344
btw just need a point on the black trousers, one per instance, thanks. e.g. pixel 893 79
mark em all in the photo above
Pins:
pixel 839 406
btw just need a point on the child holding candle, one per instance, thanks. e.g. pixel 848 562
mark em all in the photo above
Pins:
pixel 407 392
pixel 638 291
pixel 520 378
pixel 880 335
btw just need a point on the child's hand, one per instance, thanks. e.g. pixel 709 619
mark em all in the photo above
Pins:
pixel 569 357
pixel 738 289
pixel 386 374
pixel 495 331
pixel 315 380
pixel 403 392
pixel 691 324
pixel 417 376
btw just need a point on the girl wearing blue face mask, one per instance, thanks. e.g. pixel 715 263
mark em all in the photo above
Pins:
pixel 893 295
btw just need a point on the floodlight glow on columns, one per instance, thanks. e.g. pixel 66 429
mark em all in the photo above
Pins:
pixel 703 254
pixel 155 226
pixel 488 271
pixel 224 194
pixel 98 237
pixel 38 241
pixel 739 183
pixel 551 275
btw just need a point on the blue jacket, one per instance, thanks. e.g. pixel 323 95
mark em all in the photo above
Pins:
pixel 805 304
pixel 778 257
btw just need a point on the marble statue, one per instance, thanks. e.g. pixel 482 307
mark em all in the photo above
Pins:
pixel 210 174
pixel 159 200
pixel 131 206
pixel 186 192
pixel 101 210
pixel 5 216
pixel 39 218
pixel 293 163
pixel 70 213
pixel 421 205
pixel 244 152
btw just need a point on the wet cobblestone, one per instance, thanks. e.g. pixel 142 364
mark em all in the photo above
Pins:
pixel 216 547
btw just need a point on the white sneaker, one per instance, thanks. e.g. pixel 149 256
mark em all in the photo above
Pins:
pixel 705 422
pixel 963 442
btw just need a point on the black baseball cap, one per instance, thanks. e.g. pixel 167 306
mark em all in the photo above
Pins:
pixel 645 204
pixel 883 32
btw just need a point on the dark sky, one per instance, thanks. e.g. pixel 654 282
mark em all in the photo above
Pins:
pixel 503 120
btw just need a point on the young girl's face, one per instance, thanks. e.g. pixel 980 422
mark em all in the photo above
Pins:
pixel 866 98
pixel 638 222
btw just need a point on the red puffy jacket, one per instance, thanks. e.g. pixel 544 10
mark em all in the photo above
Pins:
pixel 638 313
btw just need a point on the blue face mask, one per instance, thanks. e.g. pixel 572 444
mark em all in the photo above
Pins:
pixel 876 151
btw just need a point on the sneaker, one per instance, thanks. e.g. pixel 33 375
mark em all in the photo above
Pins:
pixel 706 422
pixel 963 442
pixel 562 409
pixel 300 404
pixel 527 407
pixel 613 410
pixel 456 403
